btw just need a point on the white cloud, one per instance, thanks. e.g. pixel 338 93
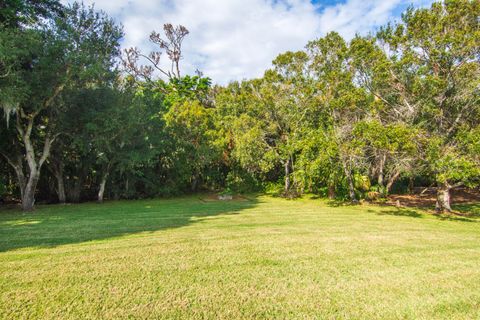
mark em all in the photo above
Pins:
pixel 236 39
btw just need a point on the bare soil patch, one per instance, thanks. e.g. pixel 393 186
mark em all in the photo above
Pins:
pixel 428 198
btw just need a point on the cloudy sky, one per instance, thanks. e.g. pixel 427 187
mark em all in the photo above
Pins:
pixel 237 39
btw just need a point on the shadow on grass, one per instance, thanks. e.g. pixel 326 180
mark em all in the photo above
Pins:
pixel 55 225
pixel 468 210
pixel 400 212
pixel 341 203
pixel 470 213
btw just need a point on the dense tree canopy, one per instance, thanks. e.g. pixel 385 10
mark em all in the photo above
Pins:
pixel 345 119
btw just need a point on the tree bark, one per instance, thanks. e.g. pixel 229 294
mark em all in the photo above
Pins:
pixel 351 185
pixel 411 185
pixel 62 198
pixel 57 168
pixel 17 165
pixel 75 183
pixel 28 197
pixel 391 181
pixel 443 198
pixel 75 191
pixel 194 183
pixel 28 186
pixel 331 191
pixel 287 176
pixel 381 177
pixel 101 191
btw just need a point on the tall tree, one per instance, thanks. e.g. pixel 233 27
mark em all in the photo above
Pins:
pixel 80 44
pixel 342 103
pixel 271 113
pixel 435 71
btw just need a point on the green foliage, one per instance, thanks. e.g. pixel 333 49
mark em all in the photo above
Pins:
pixel 241 182
pixel 450 165
pixel 343 119
pixel 362 183
pixel 18 13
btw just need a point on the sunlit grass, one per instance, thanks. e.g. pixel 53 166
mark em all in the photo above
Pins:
pixel 264 258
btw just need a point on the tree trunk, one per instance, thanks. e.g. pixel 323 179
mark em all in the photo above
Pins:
pixel 75 183
pixel 103 182
pixel 28 186
pixel 28 197
pixel 331 191
pixel 381 177
pixel 287 176
pixel 194 183
pixel 351 185
pixel 75 191
pixel 411 185
pixel 391 181
pixel 443 198
pixel 18 167
pixel 58 173
pixel 62 198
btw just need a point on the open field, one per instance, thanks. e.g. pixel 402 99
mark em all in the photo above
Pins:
pixel 258 258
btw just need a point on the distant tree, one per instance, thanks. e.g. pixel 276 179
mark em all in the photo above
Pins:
pixel 392 149
pixel 342 103
pixel 271 114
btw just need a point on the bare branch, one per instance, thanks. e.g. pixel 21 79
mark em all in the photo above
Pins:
pixel 171 45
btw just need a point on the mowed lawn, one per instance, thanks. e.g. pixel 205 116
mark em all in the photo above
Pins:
pixel 261 258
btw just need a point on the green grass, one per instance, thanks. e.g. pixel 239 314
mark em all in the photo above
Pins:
pixel 265 258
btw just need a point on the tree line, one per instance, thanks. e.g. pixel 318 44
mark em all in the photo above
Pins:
pixel 353 119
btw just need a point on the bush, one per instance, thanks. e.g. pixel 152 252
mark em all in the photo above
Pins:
pixel 241 182
pixel 274 188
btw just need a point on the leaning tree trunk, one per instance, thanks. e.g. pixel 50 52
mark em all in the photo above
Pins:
pixel 391 181
pixel 443 198
pixel 34 165
pixel 101 191
pixel 17 165
pixel 28 197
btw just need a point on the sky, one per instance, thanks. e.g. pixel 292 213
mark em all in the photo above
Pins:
pixel 237 39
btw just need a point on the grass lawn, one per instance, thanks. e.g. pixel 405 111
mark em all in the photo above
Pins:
pixel 187 258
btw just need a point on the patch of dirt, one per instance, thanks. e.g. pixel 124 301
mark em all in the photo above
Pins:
pixel 428 198
pixel 214 197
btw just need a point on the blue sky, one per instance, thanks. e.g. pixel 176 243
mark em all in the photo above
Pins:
pixel 237 39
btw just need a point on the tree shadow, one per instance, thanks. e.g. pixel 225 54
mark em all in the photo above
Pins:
pixel 54 225
pixel 341 203
pixel 468 210
pixel 414 213
pixel 401 212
